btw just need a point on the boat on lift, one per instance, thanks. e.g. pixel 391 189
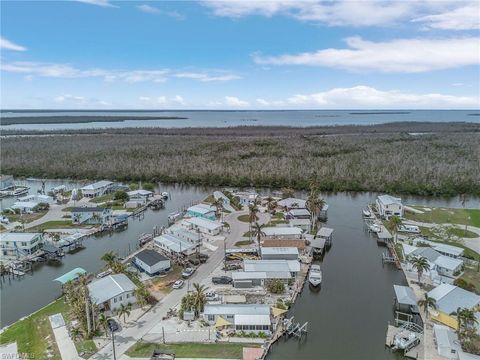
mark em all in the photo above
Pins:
pixel 367 213
pixel 315 275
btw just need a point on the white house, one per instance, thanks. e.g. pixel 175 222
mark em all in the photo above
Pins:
pixel 151 262
pixel 20 244
pixel 90 215
pixel 447 342
pixel 25 206
pixel 292 203
pixel 279 253
pixel 388 206
pixel 303 224
pixel 295 213
pixel 282 232
pixel 38 198
pixel 448 266
pixel 139 196
pixel 98 188
pixel 194 237
pixel 112 291
pixel 240 317
pixel 246 197
pixel 285 266
pixel 174 245
pixel 204 211
pixel 448 250
pixel 205 226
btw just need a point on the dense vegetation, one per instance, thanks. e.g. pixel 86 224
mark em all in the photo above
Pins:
pixel 443 159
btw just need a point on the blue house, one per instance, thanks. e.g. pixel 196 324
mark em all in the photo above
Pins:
pixel 202 211
pixel 91 215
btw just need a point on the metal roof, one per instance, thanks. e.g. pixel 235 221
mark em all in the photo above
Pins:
pixel 279 250
pixel 243 275
pixel 88 209
pixel 405 295
pixel 140 192
pixel 325 232
pixel 388 199
pixel 288 202
pixel 299 222
pixel 445 339
pixel 205 223
pixel 427 252
pixel 281 230
pixel 71 275
pixel 104 289
pixel 318 243
pixel 236 309
pixel 24 204
pixel 14 237
pixel 448 262
pixel 272 265
pixel 449 298
pixel 448 249
pixel 173 242
pixel 299 212
pixel 97 185
pixel 201 209
pixel 252 319
pixel 150 257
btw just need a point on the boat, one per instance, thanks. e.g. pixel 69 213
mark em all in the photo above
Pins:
pixel 367 213
pixel 174 217
pixel 165 195
pixel 374 228
pixel 103 274
pixel 315 275
pixel 405 340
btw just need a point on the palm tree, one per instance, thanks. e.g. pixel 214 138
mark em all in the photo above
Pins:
pixel 426 303
pixel 314 204
pixel 218 203
pixel 464 199
pixel 257 232
pixel 199 299
pixel 271 203
pixel 109 258
pixel 83 281
pixel 124 311
pixel 142 295
pixel 466 322
pixel 420 264
pixel 252 217
pixel 76 333
pixel 103 322
pixel 392 226
pixel 118 267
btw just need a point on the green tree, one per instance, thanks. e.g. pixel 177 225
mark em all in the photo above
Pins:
pixel 109 258
pixel 103 322
pixel 392 226
pixel 426 303
pixel 466 323
pixel 124 310
pixel 257 232
pixel 287 192
pixel 420 264
pixel 276 287
pixel 142 295
pixel 218 203
pixel 121 195
pixel 148 186
pixel 199 298
pixel 252 217
pixel 133 186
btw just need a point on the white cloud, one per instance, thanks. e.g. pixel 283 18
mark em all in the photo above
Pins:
pixel 235 101
pixel 398 55
pixel 8 45
pixel 462 18
pixel 102 3
pixel 162 101
pixel 75 100
pixel 263 102
pixel 207 77
pixel 148 9
pixel 371 98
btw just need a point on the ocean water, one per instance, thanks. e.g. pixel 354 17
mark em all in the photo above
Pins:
pixel 300 118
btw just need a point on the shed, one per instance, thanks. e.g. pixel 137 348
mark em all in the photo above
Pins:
pixel 71 275
pixel 151 262
pixel 405 300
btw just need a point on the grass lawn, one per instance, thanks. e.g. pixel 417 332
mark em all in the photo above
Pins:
pixel 26 218
pixel 68 209
pixel 34 335
pixel 191 350
pixel 209 199
pixel 242 243
pixel 54 224
pixel 462 233
pixel 472 276
pixel 447 215
pixel 244 218
pixel 101 199
pixel 86 347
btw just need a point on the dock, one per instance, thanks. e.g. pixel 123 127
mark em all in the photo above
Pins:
pixel 416 352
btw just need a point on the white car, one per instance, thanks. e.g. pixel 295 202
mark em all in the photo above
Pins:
pixel 188 272
pixel 212 296
pixel 178 284
pixel 4 220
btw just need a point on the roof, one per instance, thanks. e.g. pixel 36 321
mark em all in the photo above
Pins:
pixel 281 230
pixel 243 275
pixel 97 185
pixel 140 192
pixel 445 338
pixel 325 232
pixel 318 243
pixel 449 249
pixel 71 275
pixel 14 237
pixel 426 252
pixel 298 243
pixel 388 199
pixel 236 309
pixel 271 265
pixel 279 250
pixel 299 222
pixel 180 231
pixel 450 297
pixel 173 242
pixel 88 209
pixel 292 202
pixel 201 209
pixel 24 204
pixel 205 223
pixel 299 212
pixel 150 257
pixel 252 319
pixel 106 288
pixel 405 295
pixel 448 262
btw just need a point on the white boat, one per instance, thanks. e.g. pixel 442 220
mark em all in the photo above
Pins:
pixel 315 275
pixel 367 213
pixel 165 195
pixel 374 228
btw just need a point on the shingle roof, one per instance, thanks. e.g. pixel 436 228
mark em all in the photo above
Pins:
pixel 150 257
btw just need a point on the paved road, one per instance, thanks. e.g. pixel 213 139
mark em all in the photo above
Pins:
pixel 130 334
pixel 56 212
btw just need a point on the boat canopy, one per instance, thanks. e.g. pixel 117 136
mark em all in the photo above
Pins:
pixel 222 322
pixel 277 312
pixel 71 275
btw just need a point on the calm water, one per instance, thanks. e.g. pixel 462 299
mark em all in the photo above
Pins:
pixel 301 118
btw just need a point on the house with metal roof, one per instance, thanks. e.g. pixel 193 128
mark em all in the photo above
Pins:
pixel 406 309
pixel 291 266
pixel 91 215
pixel 205 226
pixel 151 262
pixel 16 245
pixel 448 299
pixel 443 265
pixel 25 206
pixel 447 250
pixel 282 232
pixel 388 206
pixel 192 236
pixel 298 213
pixel 204 211
pixel 139 196
pixel 302 224
pixel 112 291
pixel 246 197
pixel 174 245
pixel 292 203
pixel 240 317
pixel 98 188
pixel 279 253
pixel 446 341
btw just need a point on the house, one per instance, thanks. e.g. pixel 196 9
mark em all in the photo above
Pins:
pixel 298 214
pixel 302 224
pixel 6 182
pixel 406 305
pixel 277 266
pixel 326 234
pixel 20 244
pixel 282 232
pixel 279 253
pixel 447 342
pixel 205 226
pixel 448 250
pixel 90 215
pixel 246 197
pixel 299 244
pixel 25 206
pixel 203 211
pixel 240 317
pixel 192 236
pixel 112 291
pixel 139 196
pixel 388 206
pixel 443 265
pixel 225 200
pixel 249 279
pixel 174 245
pixel 292 203
pixel 448 299
pixel 98 188
pixel 151 262
pixel 323 213
pixel 38 198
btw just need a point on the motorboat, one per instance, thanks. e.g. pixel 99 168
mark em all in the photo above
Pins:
pixel 315 275
pixel 405 340
pixel 375 228
pixel 165 195
pixel 367 213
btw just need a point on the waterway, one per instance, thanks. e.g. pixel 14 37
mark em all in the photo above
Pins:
pixel 347 318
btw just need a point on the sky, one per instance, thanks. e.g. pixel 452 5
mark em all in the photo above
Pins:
pixel 368 54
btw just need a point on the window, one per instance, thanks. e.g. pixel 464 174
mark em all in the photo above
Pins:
pixel 120 298
pixel 211 318
pixel 114 300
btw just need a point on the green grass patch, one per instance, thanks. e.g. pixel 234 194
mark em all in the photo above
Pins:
pixel 31 333
pixel 86 348
pixel 26 218
pixel 447 215
pixel 278 215
pixel 472 276
pixel 209 199
pixel 461 233
pixel 191 350
pixel 68 209
pixel 103 198
pixel 55 224
pixel 242 243
pixel 244 218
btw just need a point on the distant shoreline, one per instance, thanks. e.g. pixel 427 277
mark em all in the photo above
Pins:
pixel 72 119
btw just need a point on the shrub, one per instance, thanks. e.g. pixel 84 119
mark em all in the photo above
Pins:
pixel 276 287
pixel 121 195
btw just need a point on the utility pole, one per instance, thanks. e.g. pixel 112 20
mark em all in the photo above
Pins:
pixel 113 345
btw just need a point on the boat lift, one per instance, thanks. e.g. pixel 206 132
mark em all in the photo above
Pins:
pixel 294 328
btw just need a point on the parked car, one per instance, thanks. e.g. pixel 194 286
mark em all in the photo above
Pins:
pixel 178 284
pixel 212 296
pixel 188 272
pixel 221 280
pixel 4 220
pixel 112 325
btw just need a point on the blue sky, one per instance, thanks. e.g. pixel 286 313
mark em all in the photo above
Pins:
pixel 100 54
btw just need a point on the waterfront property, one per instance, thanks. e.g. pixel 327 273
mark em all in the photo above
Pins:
pixel 151 262
pixel 448 299
pixel 139 196
pixel 246 197
pixel 185 234
pixel 298 214
pixel 282 232
pixel 279 253
pixel 90 215
pixel 225 200
pixel 25 206
pixel 326 234
pixel 446 341
pixel 280 266
pixel 203 211
pixel 448 250
pixel 388 206
pixel 406 309
pixel 292 203
pixel 98 188
pixel 240 317
pixel 205 226
pixel 441 264
pixel 110 292
pixel 20 244
pixel 302 224
pixel 174 245
pixel 6 182
pixel 38 198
